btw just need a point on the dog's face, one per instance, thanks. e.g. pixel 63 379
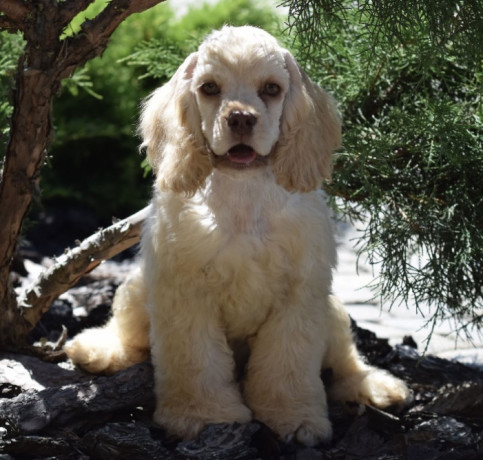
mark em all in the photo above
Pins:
pixel 240 102
pixel 240 94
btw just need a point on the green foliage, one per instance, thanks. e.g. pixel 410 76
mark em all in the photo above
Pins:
pixel 201 20
pixel 160 56
pixel 11 47
pixel 95 119
pixel 412 160
pixel 393 22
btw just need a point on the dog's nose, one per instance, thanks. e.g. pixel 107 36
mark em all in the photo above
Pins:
pixel 241 122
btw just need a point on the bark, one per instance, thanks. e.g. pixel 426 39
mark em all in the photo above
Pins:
pixel 14 13
pixel 71 266
pixel 45 62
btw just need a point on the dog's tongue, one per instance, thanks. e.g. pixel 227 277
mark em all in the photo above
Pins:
pixel 242 154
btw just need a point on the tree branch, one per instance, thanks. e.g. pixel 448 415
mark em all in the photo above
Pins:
pixel 46 61
pixel 33 411
pixel 71 266
pixel 68 10
pixel 94 36
pixel 14 10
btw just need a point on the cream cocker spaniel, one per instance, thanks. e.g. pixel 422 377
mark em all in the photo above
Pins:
pixel 238 251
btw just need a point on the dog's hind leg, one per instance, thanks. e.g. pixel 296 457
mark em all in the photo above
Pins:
pixel 123 341
pixel 353 379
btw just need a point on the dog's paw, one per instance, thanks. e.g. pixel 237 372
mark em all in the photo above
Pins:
pixel 100 351
pixel 311 434
pixel 382 389
pixel 187 422
pixel 373 387
pixel 85 352
pixel 307 432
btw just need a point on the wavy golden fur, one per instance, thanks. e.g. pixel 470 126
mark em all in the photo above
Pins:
pixel 238 252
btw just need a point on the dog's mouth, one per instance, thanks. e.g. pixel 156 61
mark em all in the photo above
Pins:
pixel 241 154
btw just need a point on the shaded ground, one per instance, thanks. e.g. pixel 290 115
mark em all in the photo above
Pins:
pixel 48 409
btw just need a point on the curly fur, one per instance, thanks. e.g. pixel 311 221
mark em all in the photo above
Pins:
pixel 238 251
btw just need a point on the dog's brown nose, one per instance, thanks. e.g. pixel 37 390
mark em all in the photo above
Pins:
pixel 241 122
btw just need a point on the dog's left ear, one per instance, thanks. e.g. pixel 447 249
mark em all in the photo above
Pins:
pixel 170 127
pixel 310 132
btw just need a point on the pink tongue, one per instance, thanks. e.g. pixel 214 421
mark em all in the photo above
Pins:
pixel 241 154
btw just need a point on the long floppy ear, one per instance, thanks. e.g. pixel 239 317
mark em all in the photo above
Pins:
pixel 310 132
pixel 171 130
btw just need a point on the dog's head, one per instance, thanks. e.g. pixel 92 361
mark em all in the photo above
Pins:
pixel 240 102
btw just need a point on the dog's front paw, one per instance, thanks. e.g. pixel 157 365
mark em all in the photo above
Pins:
pixel 187 421
pixel 309 429
pixel 300 415
pixel 309 433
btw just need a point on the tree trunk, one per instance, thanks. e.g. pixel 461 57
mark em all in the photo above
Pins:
pixel 31 130
pixel 46 61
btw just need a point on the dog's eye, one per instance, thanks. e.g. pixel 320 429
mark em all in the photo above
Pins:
pixel 210 88
pixel 271 89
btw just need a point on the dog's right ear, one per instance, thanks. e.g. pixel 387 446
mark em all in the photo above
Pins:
pixel 310 132
pixel 171 130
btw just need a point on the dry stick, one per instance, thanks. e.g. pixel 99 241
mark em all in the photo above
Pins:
pixel 75 263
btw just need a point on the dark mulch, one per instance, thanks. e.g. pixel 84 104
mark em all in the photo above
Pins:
pixel 51 410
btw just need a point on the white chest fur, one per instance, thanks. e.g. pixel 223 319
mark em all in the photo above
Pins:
pixel 243 205
pixel 242 244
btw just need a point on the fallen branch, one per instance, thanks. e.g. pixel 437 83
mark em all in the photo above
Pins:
pixel 32 411
pixel 71 266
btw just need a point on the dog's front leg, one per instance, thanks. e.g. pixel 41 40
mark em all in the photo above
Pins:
pixel 283 385
pixel 194 371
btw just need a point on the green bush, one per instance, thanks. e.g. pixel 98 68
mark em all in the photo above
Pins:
pixel 412 160
pixel 158 58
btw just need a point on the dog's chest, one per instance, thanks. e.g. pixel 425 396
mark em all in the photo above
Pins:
pixel 246 278
pixel 255 263
pixel 244 253
pixel 240 207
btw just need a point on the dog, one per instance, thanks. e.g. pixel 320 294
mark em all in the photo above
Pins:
pixel 238 252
